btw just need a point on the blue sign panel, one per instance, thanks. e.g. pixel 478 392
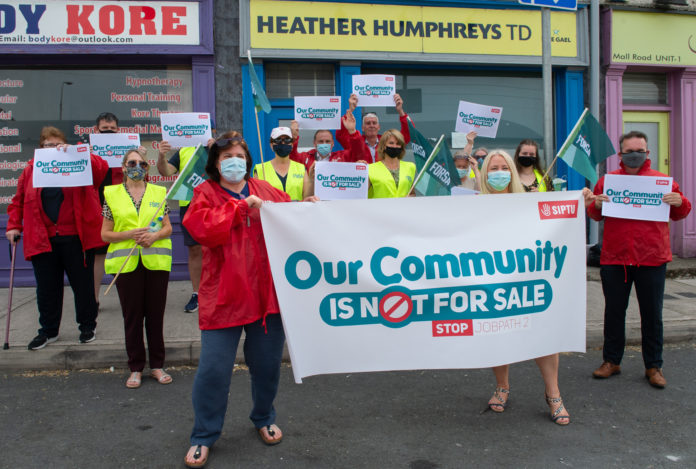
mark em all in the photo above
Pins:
pixel 559 4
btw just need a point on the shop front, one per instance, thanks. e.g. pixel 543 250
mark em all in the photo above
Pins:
pixel 438 55
pixel 65 62
pixel 650 86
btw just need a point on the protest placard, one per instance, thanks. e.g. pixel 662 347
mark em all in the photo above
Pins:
pixel 58 168
pixel 186 129
pixel 336 180
pixel 318 112
pixel 414 293
pixel 636 197
pixel 480 118
pixel 374 90
pixel 112 147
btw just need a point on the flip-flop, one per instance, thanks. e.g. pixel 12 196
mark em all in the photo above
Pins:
pixel 271 429
pixel 197 455
pixel 163 378
pixel 134 380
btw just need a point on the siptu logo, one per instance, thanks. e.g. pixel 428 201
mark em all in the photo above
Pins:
pixel 662 182
pixel 558 209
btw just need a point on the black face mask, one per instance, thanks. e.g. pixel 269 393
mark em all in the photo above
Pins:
pixel 107 131
pixel 282 149
pixel 394 152
pixel 526 161
pixel 634 159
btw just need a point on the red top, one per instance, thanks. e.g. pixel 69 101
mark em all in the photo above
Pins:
pixel 637 242
pixel 236 284
pixel 353 153
pixel 81 204
pixel 342 136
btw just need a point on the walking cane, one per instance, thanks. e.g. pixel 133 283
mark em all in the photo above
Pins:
pixel 13 252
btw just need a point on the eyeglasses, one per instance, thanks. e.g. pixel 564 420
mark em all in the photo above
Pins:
pixel 50 145
pixel 282 140
pixel 133 164
pixel 223 142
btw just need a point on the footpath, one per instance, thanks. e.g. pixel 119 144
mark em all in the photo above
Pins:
pixel 182 336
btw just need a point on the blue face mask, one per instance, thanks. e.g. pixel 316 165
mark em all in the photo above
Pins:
pixel 464 173
pixel 136 174
pixel 324 149
pixel 499 180
pixel 233 169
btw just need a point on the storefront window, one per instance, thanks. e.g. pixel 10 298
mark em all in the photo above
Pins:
pixel 644 88
pixel 285 80
pixel 431 98
pixel 71 99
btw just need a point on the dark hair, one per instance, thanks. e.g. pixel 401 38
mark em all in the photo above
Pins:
pixel 537 164
pixel 226 140
pixel 48 132
pixel 322 130
pixel 107 117
pixel 632 134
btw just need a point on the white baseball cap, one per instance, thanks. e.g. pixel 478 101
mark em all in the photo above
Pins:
pixel 280 131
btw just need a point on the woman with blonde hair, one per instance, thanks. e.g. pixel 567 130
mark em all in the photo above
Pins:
pixel 391 176
pixel 499 176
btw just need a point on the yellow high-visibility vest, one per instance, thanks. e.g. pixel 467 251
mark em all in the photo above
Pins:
pixel 294 183
pixel 156 257
pixel 382 182
pixel 541 184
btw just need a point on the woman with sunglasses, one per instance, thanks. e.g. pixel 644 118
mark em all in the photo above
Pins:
pixel 61 230
pixel 136 224
pixel 236 294
pixel 281 172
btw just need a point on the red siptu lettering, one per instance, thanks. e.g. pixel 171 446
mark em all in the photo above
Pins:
pixel 171 17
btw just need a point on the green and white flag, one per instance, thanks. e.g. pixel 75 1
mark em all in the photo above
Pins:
pixel 260 100
pixel 191 176
pixel 586 146
pixel 435 167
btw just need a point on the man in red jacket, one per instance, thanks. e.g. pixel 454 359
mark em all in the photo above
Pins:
pixel 635 251
pixel 323 144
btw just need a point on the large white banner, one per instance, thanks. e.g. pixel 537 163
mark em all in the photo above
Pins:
pixel 318 112
pixel 335 180
pixel 95 22
pixel 112 147
pixel 428 282
pixel 58 168
pixel 636 197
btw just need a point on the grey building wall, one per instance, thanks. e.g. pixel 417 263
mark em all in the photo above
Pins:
pixel 228 74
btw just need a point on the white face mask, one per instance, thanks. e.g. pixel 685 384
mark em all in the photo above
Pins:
pixel 464 173
pixel 233 169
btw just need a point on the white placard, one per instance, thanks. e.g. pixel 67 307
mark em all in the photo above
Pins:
pixel 57 168
pixel 186 129
pixel 336 181
pixel 458 190
pixel 374 90
pixel 396 284
pixel 636 197
pixel 318 112
pixel 112 147
pixel 480 118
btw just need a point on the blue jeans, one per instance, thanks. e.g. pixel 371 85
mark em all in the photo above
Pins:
pixel 263 351
pixel 617 281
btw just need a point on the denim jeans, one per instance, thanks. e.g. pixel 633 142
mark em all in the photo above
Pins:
pixel 617 281
pixel 263 351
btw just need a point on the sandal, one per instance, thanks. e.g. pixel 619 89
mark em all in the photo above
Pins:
pixel 555 414
pixel 270 432
pixel 134 380
pixel 161 376
pixel 197 456
pixel 501 395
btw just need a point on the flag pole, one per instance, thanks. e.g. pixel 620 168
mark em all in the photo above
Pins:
pixel 149 222
pixel 570 136
pixel 258 132
pixel 425 166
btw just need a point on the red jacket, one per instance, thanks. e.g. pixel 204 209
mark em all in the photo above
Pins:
pixel 236 284
pixel 25 212
pixel 351 154
pixel 342 136
pixel 637 242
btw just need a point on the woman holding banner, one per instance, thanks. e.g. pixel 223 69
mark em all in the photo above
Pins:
pixel 236 294
pixel 61 230
pixel 143 256
pixel 391 177
pixel 499 176
pixel 529 168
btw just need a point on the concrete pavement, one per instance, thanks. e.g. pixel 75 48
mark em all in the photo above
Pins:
pixel 182 336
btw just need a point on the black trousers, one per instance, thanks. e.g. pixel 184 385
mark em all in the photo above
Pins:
pixel 617 281
pixel 66 257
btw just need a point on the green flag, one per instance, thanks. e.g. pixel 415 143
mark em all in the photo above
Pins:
pixel 439 174
pixel 586 146
pixel 260 100
pixel 191 176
